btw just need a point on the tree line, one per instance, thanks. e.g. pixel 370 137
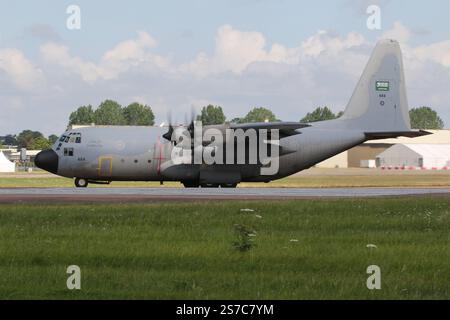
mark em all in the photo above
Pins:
pixel 421 117
pixel 110 112
pixel 32 140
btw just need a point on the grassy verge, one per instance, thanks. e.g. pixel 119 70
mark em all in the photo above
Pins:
pixel 296 250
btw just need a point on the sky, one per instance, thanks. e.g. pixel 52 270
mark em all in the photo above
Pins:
pixel 177 56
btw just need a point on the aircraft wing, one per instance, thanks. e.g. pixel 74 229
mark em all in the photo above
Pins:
pixel 286 128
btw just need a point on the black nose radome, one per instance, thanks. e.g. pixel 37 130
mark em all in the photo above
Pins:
pixel 47 160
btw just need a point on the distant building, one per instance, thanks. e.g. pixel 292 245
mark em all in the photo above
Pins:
pixel 13 154
pixel 31 154
pixel 6 165
pixel 372 148
pixel 7 151
pixel 426 156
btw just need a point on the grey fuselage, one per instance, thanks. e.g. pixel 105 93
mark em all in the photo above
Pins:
pixel 141 153
pixel 377 109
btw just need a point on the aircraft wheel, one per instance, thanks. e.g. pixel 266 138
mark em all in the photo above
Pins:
pixel 229 185
pixel 190 184
pixel 81 183
pixel 209 185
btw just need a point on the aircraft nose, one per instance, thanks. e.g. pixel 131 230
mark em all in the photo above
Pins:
pixel 47 160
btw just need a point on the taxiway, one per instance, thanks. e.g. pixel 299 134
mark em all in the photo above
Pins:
pixel 12 195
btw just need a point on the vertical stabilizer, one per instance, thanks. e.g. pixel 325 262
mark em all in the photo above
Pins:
pixel 379 102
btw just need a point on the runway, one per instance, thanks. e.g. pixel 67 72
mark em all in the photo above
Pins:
pixel 18 195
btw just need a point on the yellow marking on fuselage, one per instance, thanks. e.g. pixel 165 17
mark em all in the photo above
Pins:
pixel 99 169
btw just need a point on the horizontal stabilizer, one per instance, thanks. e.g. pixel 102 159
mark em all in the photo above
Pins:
pixel 395 134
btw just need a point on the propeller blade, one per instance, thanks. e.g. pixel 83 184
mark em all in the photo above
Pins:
pixel 168 134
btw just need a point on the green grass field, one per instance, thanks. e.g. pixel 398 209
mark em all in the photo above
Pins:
pixel 305 249
pixel 309 181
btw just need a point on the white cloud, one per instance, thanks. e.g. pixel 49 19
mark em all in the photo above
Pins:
pixel 20 70
pixel 59 54
pixel 398 32
pixel 438 52
pixel 235 50
pixel 244 70
pixel 130 54
pixel 125 56
pixel 324 42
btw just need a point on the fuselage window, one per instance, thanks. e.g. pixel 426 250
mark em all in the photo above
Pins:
pixel 78 140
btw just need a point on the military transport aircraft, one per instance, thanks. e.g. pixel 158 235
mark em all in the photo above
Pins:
pixel 377 109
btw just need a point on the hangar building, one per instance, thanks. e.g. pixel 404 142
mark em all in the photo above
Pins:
pixel 5 164
pixel 431 156
pixel 369 150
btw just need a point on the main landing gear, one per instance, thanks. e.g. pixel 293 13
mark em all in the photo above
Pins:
pixel 81 183
pixel 190 184
pixel 229 185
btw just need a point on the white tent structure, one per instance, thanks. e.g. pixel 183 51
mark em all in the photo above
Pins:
pixel 429 156
pixel 6 165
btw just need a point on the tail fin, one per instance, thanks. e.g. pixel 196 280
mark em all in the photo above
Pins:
pixel 379 102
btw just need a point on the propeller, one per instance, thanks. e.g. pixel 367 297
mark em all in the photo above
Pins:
pixel 168 134
pixel 189 126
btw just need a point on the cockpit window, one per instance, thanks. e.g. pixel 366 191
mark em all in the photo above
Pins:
pixel 71 137
pixel 68 152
